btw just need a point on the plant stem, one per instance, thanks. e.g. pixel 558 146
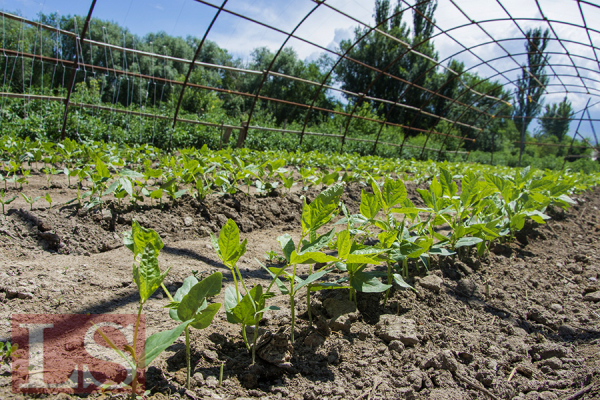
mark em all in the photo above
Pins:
pixel 293 311
pixel 292 295
pixel 254 342
pixel 162 285
pixel 310 321
pixel 135 334
pixel 245 337
pixel 389 281
pixel 187 354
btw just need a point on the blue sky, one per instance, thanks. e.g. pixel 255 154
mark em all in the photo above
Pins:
pixel 327 28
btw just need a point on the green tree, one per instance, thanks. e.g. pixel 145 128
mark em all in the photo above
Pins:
pixel 532 82
pixel 282 88
pixel 385 53
pixel 556 119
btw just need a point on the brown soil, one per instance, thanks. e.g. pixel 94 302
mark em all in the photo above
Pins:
pixel 523 322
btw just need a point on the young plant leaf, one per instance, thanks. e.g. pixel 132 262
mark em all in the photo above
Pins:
pixel 369 205
pixel 344 243
pixel 229 240
pixel 393 193
pixel 188 283
pixel 367 283
pixel 209 286
pixel 287 245
pixel 138 238
pixel 319 243
pixel 401 282
pixel 147 275
pixel 467 241
pixel 311 258
pixel 318 213
pixel 203 319
pixel 159 341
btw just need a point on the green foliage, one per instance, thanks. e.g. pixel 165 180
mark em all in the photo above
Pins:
pixel 189 305
pixel 532 83
pixel 4 201
pixel 563 112
pixel 146 245
pixel 7 351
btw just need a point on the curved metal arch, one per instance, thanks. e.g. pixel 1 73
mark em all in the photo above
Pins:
pixel 587 31
pixel 518 68
pixel 489 77
pixel 78 41
pixel 559 41
pixel 521 39
pixel 397 40
pixel 421 110
pixel 189 73
pixel 453 101
pixel 476 137
pixel 341 57
pixel 266 72
pixel 502 116
pixel 530 19
pixel 565 85
pixel 314 44
pixel 520 19
pixel 502 57
pixel 376 78
pixel 492 117
pixel 491 37
pixel 439 63
pixel 525 35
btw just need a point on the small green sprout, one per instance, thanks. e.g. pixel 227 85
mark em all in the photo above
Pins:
pixel 30 200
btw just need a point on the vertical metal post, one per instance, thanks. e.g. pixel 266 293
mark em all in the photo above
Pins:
pixel 575 134
pixel 243 134
pixel 592 126
pixel 493 147
pixel 78 42
pixel 522 144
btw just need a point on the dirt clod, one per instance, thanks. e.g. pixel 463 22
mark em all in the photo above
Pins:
pixel 392 327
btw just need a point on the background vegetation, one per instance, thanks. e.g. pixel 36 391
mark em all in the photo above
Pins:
pixel 43 119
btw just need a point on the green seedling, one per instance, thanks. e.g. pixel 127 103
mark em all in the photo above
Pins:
pixel 229 249
pixel 48 199
pixel 145 245
pixel 30 200
pixel 189 304
pixel 4 201
pixel 172 189
pixel 314 216
pixel 49 171
pixel 273 257
pixel 288 181
pixel 7 351
pixel 249 308
pixel 58 301
pixel 69 173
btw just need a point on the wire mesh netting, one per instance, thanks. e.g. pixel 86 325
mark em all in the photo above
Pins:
pixel 437 80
